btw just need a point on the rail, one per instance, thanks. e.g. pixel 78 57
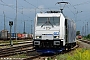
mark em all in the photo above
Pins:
pixel 16 49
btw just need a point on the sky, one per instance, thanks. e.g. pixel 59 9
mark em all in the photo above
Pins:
pixel 78 10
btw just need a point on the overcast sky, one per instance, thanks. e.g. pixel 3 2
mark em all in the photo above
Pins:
pixel 78 10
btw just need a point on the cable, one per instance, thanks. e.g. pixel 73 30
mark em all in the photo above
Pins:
pixel 6 4
pixel 12 7
pixel 35 6
pixel 7 17
pixel 30 3
pixel 18 11
pixel 72 6
pixel 71 11
pixel 87 2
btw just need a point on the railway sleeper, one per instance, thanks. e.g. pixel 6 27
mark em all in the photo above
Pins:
pixel 14 48
pixel 15 51
pixel 9 54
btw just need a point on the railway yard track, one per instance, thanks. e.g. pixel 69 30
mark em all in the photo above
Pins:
pixel 85 41
pixel 40 57
pixel 16 49
pixel 27 48
pixel 47 56
pixel 16 43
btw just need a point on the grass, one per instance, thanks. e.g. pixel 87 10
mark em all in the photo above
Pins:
pixel 19 56
pixel 78 54
pixel 62 57
pixel 86 37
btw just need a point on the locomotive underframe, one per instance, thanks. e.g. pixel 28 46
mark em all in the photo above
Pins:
pixel 48 45
pixel 44 44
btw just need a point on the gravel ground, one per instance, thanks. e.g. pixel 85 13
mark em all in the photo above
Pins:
pixel 83 45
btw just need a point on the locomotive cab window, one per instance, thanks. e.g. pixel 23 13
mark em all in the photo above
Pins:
pixel 48 21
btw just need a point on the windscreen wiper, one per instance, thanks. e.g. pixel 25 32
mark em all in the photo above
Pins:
pixel 43 24
pixel 51 23
pixel 47 22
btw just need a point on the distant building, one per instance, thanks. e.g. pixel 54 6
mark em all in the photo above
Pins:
pixel 4 34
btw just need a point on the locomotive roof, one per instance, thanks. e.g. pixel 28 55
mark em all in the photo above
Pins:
pixel 53 15
pixel 49 14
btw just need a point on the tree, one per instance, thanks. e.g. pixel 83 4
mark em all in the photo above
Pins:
pixel 78 33
pixel 24 32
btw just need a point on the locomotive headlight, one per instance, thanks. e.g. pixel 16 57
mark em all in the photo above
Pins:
pixel 38 37
pixel 47 28
pixel 56 37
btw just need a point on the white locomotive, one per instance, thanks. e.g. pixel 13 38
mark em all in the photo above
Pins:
pixel 53 32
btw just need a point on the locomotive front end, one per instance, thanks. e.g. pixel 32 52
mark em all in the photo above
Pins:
pixel 47 33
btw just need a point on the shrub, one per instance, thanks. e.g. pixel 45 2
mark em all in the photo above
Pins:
pixel 80 54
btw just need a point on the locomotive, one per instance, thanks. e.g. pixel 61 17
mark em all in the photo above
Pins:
pixel 53 32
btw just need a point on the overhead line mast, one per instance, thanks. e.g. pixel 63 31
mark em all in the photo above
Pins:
pixel 4 23
pixel 4 20
pixel 15 25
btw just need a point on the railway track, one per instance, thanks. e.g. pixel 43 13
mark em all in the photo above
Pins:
pixel 18 49
pixel 16 43
pixel 46 56
pixel 84 44
pixel 85 41
pixel 25 48
pixel 40 57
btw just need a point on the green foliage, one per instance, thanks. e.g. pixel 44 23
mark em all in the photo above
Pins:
pixel 24 32
pixel 19 56
pixel 48 58
pixel 87 37
pixel 80 54
pixel 62 57
pixel 78 33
